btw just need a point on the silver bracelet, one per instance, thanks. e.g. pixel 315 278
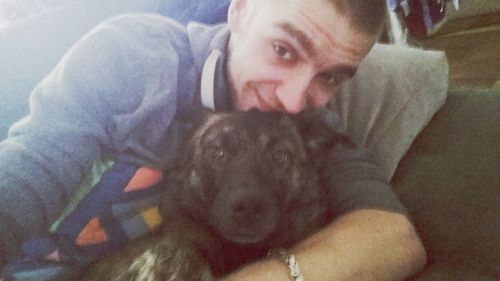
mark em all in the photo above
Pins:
pixel 291 262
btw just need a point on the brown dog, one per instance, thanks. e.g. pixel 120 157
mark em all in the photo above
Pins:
pixel 248 184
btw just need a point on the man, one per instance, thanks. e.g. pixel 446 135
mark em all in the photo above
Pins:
pixel 127 88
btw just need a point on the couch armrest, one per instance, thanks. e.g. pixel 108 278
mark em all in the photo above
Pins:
pixel 449 181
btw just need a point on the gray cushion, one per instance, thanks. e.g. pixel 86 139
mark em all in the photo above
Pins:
pixel 393 95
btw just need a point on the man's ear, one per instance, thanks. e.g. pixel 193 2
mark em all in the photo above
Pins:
pixel 235 13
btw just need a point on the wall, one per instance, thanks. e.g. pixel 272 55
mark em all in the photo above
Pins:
pixel 473 8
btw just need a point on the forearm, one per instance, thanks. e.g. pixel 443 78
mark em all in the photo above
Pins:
pixel 362 245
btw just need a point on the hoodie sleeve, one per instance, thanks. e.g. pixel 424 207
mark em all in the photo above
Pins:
pixel 73 117
pixel 355 181
pixel 349 173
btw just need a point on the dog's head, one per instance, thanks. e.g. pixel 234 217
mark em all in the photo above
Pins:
pixel 247 177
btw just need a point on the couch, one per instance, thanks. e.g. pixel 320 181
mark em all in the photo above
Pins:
pixel 441 149
pixel 450 182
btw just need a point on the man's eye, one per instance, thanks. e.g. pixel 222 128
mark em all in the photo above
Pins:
pixel 283 52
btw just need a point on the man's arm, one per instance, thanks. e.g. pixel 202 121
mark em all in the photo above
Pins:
pixel 361 245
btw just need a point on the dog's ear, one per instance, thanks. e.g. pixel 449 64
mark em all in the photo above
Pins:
pixel 320 130
pixel 200 125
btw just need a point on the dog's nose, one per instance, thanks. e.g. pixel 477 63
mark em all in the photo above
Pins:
pixel 249 209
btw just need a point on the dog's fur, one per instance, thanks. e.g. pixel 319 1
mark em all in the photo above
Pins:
pixel 248 184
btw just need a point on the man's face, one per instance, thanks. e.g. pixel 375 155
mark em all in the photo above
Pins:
pixel 289 55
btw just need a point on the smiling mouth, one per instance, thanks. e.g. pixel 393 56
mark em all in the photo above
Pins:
pixel 262 104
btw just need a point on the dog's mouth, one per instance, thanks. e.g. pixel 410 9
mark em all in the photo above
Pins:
pixel 247 232
pixel 247 236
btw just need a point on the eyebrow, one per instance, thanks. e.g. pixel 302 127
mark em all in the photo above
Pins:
pixel 306 43
pixel 300 36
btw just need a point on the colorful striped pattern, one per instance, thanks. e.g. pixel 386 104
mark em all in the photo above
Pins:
pixel 117 203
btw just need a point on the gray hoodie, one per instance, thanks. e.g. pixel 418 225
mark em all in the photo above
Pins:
pixel 124 92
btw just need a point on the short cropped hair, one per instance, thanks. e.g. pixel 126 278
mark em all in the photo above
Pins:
pixel 368 16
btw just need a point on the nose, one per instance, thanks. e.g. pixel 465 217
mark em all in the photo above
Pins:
pixel 249 209
pixel 294 90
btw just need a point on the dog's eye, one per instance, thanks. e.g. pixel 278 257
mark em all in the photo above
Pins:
pixel 280 156
pixel 216 153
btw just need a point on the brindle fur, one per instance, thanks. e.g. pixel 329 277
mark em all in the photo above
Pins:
pixel 234 164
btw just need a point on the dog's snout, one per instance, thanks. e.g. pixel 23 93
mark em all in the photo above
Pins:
pixel 249 208
pixel 245 214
